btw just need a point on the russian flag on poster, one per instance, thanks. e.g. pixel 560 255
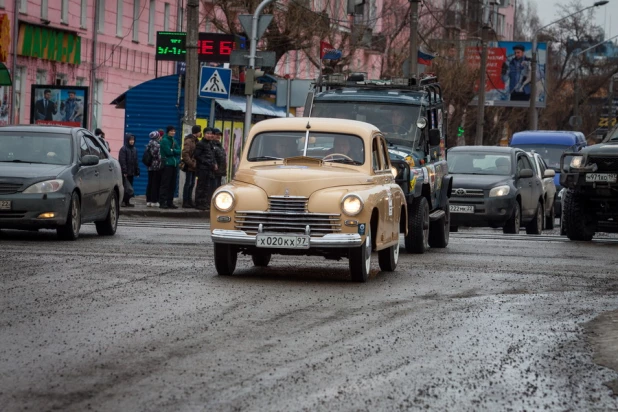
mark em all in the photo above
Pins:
pixel 425 58
pixel 328 52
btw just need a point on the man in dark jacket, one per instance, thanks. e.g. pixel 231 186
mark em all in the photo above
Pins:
pixel 206 168
pixel 101 135
pixel 170 157
pixel 188 151
pixel 128 163
pixel 220 157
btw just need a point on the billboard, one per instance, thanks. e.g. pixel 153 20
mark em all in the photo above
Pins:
pixel 509 73
pixel 59 105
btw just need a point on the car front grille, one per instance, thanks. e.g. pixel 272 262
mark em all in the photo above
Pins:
pixel 289 204
pixel 319 223
pixel 605 164
pixel 9 188
pixel 460 192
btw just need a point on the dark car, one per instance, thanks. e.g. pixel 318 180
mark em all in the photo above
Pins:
pixel 57 178
pixel 495 187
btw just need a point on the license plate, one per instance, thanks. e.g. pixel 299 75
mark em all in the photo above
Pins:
pixel 601 177
pixel 283 241
pixel 461 209
pixel 5 205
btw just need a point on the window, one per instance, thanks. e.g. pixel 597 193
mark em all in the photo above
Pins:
pixel 119 17
pixel 61 79
pixel 64 11
pixel 97 103
pixel 151 22
pixel 385 155
pixel 44 9
pixel 83 17
pixel 95 148
pixel 101 16
pixel 375 155
pixel 523 163
pixel 20 91
pixel 41 77
pixel 166 17
pixel 23 6
pixel 136 14
pixel 79 81
pixel 1 4
pixel 83 148
pixel 180 16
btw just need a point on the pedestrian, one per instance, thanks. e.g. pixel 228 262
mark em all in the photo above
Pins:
pixel 154 170
pixel 101 135
pixel 189 165
pixel 220 157
pixel 170 157
pixel 128 163
pixel 206 167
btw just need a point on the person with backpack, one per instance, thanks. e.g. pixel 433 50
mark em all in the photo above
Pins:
pixel 188 166
pixel 152 159
pixel 128 163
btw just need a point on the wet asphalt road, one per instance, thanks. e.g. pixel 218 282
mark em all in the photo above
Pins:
pixel 141 322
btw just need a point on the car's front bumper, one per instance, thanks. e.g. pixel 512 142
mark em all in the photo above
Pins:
pixel 26 209
pixel 331 240
pixel 492 211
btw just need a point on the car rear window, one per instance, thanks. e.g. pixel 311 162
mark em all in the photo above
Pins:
pixel 40 148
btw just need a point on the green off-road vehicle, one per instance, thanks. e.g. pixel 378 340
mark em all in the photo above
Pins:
pixel 590 203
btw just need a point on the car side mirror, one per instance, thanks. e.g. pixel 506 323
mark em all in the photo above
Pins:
pixel 549 173
pixel 434 137
pixel 90 160
pixel 526 174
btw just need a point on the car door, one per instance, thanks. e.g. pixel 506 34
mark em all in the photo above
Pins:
pixel 524 186
pixel 549 187
pixel 87 180
pixel 103 172
pixel 388 210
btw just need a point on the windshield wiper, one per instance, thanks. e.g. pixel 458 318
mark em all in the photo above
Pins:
pixel 346 161
pixel 22 161
pixel 259 158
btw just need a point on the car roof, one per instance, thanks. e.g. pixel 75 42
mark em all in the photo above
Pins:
pixel 385 96
pixel 485 149
pixel 317 124
pixel 37 128
pixel 557 137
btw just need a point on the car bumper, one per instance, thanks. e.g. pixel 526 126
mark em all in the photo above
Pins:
pixel 492 212
pixel 332 240
pixel 578 180
pixel 26 209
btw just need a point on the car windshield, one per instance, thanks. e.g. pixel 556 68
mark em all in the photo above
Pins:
pixel 41 148
pixel 395 121
pixel 475 163
pixel 331 147
pixel 550 153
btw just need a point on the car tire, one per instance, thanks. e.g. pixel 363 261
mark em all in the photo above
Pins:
pixel 225 259
pixel 439 230
pixel 535 227
pixel 550 220
pixel 262 260
pixel 576 220
pixel 360 260
pixel 389 257
pixel 70 230
pixel 108 226
pixel 417 240
pixel 513 225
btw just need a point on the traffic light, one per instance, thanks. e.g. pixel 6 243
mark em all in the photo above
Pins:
pixel 251 78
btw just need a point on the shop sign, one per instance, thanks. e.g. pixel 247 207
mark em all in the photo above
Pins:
pixel 49 44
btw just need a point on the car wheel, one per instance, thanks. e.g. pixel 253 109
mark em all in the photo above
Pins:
pixel 70 230
pixel 110 224
pixel 550 220
pixel 389 257
pixel 513 225
pixel 578 224
pixel 535 227
pixel 225 259
pixel 360 260
pixel 439 230
pixel 261 260
pixel 417 240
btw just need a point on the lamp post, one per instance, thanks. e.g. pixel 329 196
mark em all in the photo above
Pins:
pixel 576 119
pixel 532 113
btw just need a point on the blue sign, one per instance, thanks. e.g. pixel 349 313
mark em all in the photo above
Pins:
pixel 215 82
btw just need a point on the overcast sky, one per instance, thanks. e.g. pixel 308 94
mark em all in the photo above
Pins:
pixel 548 12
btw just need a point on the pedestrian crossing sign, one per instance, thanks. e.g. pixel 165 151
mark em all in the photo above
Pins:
pixel 215 82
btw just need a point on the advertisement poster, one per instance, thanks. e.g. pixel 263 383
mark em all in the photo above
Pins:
pixel 509 66
pixel 59 105
pixel 4 105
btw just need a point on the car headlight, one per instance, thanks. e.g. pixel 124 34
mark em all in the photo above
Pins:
pixel 224 201
pixel 499 191
pixel 351 205
pixel 421 123
pixel 577 161
pixel 48 186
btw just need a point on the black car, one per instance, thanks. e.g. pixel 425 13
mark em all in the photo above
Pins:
pixel 496 187
pixel 57 178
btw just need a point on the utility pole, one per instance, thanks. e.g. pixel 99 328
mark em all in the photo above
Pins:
pixel 192 63
pixel 480 121
pixel 413 66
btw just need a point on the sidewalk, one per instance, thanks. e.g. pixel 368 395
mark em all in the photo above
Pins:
pixel 141 210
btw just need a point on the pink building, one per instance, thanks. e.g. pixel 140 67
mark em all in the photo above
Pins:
pixel 107 46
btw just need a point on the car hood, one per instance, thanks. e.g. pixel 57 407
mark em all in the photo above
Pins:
pixel 466 181
pixel 300 180
pixel 602 149
pixel 29 170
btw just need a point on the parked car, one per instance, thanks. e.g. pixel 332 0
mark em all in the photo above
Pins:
pixel 314 186
pixel 57 178
pixel 495 187
pixel 547 176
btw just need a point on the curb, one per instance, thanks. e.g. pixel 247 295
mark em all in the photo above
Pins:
pixel 179 214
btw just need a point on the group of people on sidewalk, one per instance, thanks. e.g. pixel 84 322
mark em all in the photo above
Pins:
pixel 202 158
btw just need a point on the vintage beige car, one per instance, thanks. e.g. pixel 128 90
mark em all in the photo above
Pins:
pixel 311 186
